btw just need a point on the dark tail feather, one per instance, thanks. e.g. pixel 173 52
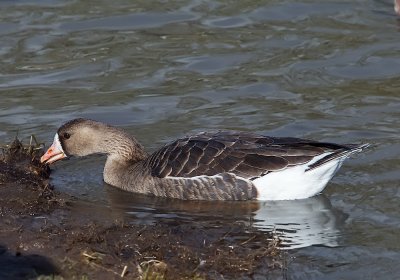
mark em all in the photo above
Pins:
pixel 346 151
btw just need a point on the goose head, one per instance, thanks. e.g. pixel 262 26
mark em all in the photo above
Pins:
pixel 82 137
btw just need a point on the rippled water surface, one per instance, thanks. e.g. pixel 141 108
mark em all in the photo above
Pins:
pixel 326 70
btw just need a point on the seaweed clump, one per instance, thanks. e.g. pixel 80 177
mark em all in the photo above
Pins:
pixel 21 163
pixel 24 180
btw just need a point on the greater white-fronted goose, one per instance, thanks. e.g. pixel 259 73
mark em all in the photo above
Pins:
pixel 223 165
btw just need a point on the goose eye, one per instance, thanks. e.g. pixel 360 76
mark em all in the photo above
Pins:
pixel 66 135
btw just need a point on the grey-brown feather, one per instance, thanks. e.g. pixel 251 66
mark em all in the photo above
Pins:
pixel 247 155
pixel 206 166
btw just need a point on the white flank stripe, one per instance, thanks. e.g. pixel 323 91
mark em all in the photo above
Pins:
pixel 295 183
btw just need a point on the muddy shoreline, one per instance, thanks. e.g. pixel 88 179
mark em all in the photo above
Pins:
pixel 47 232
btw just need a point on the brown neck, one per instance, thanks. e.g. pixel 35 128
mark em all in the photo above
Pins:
pixel 122 147
pixel 123 151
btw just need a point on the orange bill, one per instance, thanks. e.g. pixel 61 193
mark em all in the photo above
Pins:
pixel 54 153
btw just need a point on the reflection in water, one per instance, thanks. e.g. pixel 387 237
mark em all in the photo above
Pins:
pixel 302 223
pixel 299 223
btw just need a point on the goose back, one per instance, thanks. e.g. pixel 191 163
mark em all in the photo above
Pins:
pixel 246 155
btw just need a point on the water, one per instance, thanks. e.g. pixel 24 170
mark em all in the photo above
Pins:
pixel 322 70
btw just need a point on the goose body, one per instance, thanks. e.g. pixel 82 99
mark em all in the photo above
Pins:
pixel 223 165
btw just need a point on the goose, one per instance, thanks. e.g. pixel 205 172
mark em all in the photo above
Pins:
pixel 220 165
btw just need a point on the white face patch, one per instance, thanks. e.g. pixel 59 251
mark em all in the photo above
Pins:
pixel 57 143
pixel 54 153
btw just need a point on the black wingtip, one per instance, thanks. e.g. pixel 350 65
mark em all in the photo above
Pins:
pixel 345 152
pixel 363 146
pixel 357 146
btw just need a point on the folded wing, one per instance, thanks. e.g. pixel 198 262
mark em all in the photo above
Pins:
pixel 246 155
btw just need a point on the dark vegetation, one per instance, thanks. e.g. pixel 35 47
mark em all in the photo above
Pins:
pixel 47 234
